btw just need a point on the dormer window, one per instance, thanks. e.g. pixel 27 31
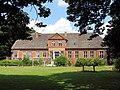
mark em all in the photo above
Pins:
pixel 60 43
pixel 53 43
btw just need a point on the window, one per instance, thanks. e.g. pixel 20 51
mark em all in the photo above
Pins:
pixel 53 43
pixel 76 54
pixel 16 54
pixel 44 54
pixel 37 54
pixel 60 43
pixel 30 55
pixel 101 54
pixel 69 54
pixel 85 54
pixel 92 54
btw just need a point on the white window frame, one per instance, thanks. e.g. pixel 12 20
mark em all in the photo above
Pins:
pixel 69 54
pixel 85 54
pixel 76 54
pixel 30 55
pixel 101 54
pixel 92 54
pixel 53 43
pixel 44 54
pixel 60 43
pixel 37 54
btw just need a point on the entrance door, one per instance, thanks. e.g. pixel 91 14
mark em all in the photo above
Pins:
pixel 56 54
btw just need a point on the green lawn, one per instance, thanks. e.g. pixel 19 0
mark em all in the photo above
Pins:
pixel 58 78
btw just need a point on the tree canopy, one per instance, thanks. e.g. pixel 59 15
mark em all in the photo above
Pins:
pixel 13 21
pixel 91 15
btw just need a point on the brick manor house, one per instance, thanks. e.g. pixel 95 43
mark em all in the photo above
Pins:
pixel 72 45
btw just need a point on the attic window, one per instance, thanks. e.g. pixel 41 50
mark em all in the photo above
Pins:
pixel 53 43
pixel 60 43
pixel 74 43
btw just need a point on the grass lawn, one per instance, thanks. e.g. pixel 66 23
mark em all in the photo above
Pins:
pixel 58 78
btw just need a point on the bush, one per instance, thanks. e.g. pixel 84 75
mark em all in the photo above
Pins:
pixel 62 61
pixel 102 62
pixel 41 60
pixel 117 64
pixel 26 60
pixel 10 63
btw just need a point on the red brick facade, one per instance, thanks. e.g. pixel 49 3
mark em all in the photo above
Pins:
pixel 57 45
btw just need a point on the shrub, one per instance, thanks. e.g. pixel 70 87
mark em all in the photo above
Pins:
pixel 117 64
pixel 10 62
pixel 5 62
pixel 26 60
pixel 62 61
pixel 41 60
pixel 102 62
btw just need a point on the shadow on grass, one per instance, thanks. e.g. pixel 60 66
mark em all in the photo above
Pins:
pixel 103 80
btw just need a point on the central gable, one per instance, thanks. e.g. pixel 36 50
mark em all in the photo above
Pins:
pixel 57 37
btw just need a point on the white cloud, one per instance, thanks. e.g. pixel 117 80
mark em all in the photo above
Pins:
pixel 62 3
pixel 32 25
pixel 105 31
pixel 61 26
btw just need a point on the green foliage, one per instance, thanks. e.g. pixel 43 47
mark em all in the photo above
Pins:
pixel 90 62
pixel 10 62
pixel 26 60
pixel 102 62
pixel 41 60
pixel 96 61
pixel 62 61
pixel 117 64
pixel 88 12
pixel 35 62
pixel 80 62
pixel 90 15
pixel 13 22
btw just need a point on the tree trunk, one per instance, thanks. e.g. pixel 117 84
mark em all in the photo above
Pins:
pixel 93 68
pixel 83 68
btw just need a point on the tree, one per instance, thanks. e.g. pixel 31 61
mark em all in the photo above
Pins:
pixel 91 14
pixel 81 62
pixel 13 22
pixel 90 62
pixel 112 40
pixel 88 12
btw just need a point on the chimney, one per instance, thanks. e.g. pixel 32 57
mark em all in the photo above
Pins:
pixel 65 34
pixel 36 34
